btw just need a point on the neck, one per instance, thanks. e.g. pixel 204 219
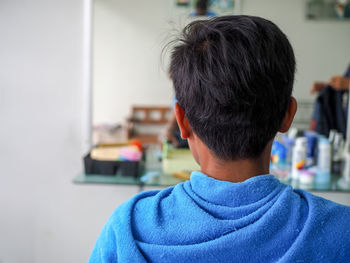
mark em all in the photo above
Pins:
pixel 235 171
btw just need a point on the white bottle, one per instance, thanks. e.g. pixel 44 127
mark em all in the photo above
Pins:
pixel 344 181
pixel 298 157
pixel 323 174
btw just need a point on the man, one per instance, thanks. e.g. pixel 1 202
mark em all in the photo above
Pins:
pixel 233 78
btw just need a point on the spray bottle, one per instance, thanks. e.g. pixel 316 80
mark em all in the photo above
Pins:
pixel 298 157
pixel 323 174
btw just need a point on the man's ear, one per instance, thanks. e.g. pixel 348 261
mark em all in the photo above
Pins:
pixel 288 118
pixel 184 126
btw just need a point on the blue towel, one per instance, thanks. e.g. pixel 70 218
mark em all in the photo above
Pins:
pixel 207 220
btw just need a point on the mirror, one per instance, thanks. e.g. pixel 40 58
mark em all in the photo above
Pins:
pixel 328 9
pixel 128 38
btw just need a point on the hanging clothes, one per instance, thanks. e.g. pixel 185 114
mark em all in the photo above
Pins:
pixel 330 110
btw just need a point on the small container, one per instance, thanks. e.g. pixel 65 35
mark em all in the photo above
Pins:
pixel 306 179
pixel 289 144
pixel 323 174
pixel 124 168
pixel 337 143
pixel 298 157
pixel 311 138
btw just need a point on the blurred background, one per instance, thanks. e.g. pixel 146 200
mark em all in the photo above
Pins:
pixel 71 73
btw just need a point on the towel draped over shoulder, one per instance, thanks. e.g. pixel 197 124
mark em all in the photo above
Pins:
pixel 208 220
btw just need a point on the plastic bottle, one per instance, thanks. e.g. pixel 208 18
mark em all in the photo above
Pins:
pixel 288 143
pixel 298 157
pixel 311 138
pixel 337 144
pixel 344 181
pixel 323 174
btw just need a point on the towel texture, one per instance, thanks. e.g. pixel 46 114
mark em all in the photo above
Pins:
pixel 207 220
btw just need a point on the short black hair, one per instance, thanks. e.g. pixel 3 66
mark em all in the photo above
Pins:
pixel 233 76
pixel 202 5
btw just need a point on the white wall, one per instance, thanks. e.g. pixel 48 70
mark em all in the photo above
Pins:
pixel 43 216
pixel 128 40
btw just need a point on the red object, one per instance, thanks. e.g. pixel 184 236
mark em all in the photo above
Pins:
pixel 137 143
pixel 313 125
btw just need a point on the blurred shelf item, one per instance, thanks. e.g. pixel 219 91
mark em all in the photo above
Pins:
pixel 152 174
pixel 108 133
pixel 166 180
pixel 147 122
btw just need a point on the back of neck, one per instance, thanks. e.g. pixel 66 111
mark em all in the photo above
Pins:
pixel 238 170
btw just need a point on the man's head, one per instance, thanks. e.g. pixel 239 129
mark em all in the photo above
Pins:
pixel 201 7
pixel 233 78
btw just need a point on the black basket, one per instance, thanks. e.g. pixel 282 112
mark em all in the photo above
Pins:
pixel 124 168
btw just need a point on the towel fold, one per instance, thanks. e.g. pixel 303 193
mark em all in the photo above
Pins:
pixel 208 220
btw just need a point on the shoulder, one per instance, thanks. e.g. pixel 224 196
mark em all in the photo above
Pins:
pixel 116 241
pixel 327 217
pixel 325 231
pixel 320 203
pixel 137 204
pixel 321 207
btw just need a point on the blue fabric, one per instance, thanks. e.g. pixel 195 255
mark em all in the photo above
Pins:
pixel 207 220
pixel 208 13
pixel 173 102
